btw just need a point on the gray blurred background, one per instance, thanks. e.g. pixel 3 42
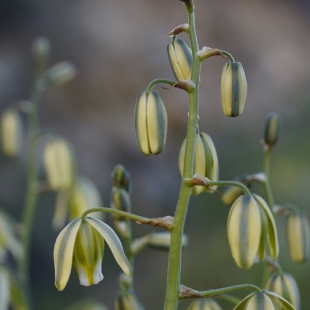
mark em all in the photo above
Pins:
pixel 118 47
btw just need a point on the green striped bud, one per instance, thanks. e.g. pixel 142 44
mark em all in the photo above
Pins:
pixel 120 200
pixel 298 236
pixel 127 301
pixel 259 301
pixel 59 74
pixel 150 123
pixel 285 285
pixel 204 304
pixel 59 164
pixel 270 229
pixel 244 228
pixel 121 178
pixel 212 163
pixel 272 129
pixel 231 193
pixel 263 301
pixel 205 161
pixel 41 53
pixel 180 56
pixel 161 241
pixel 233 89
pixel 10 131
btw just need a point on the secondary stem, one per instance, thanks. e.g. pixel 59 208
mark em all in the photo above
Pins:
pixel 175 253
pixel 31 195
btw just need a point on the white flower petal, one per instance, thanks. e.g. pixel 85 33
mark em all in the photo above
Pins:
pixel 113 242
pixel 63 253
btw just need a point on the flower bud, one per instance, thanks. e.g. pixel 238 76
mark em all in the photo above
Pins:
pixel 59 164
pixel 263 301
pixel 180 56
pixel 205 161
pixel 127 301
pixel 199 161
pixel 259 301
pixel 121 178
pixel 212 164
pixel 231 193
pixel 161 241
pixel 272 129
pixel 244 231
pixel 285 285
pixel 10 131
pixel 120 200
pixel 41 54
pixel 270 228
pixel 85 195
pixel 204 304
pixel 150 123
pixel 233 89
pixel 59 74
pixel 298 236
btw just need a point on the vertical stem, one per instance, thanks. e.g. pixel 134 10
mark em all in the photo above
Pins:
pixel 270 202
pixel 175 253
pixel 31 195
pixel 267 186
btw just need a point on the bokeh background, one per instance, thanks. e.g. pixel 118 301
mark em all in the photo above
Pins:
pixel 118 47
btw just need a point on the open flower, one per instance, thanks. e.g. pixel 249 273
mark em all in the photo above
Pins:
pixel 81 243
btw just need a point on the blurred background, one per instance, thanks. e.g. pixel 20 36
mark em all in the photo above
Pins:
pixel 118 47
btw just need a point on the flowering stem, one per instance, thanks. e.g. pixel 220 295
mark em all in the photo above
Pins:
pixel 266 183
pixel 175 253
pixel 228 56
pixel 31 195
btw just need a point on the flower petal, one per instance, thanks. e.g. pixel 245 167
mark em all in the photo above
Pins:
pixel 113 242
pixel 284 303
pixel 63 253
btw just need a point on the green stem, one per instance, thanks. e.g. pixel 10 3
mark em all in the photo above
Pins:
pixel 228 55
pixel 31 194
pixel 114 211
pixel 175 253
pixel 266 184
pixel 159 81
pixel 224 290
pixel 231 183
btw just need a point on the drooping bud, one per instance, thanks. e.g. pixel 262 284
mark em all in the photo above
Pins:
pixel 233 89
pixel 150 123
pixel 180 56
pixel 59 164
pixel 122 178
pixel 231 193
pixel 204 304
pixel 161 241
pixel 10 132
pixel 271 230
pixel 85 195
pixel 120 200
pixel 272 129
pixel 59 74
pixel 205 161
pixel 41 54
pixel 127 301
pixel 244 231
pixel 298 236
pixel 212 163
pixel 285 285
